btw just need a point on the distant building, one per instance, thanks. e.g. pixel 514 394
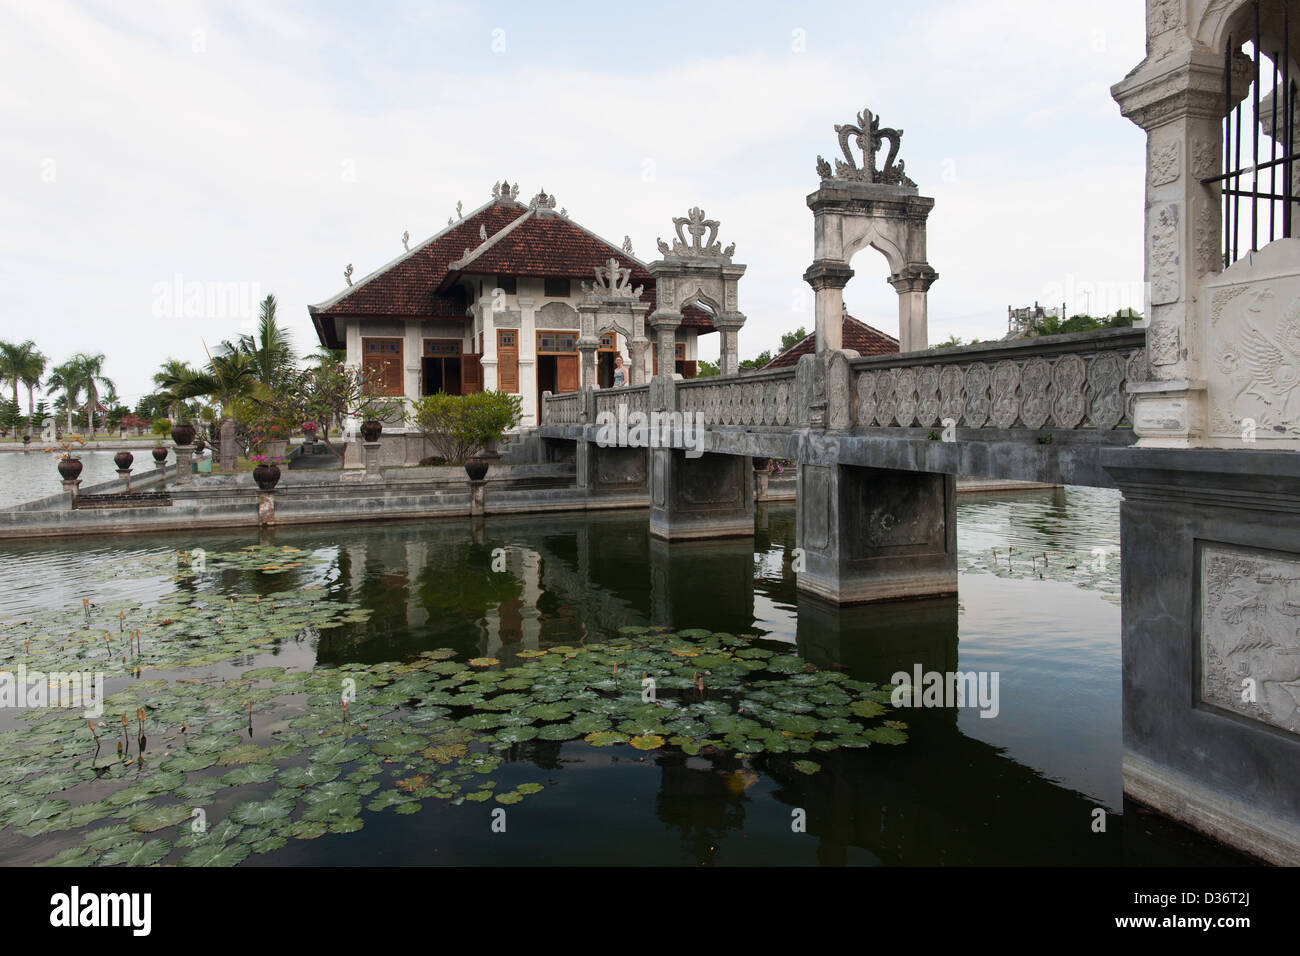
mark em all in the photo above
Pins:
pixel 857 336
pixel 490 302
pixel 1023 321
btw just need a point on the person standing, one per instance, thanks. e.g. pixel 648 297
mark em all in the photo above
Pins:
pixel 620 374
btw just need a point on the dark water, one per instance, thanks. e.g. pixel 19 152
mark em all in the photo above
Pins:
pixel 1019 788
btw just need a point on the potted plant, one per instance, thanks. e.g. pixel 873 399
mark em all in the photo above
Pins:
pixel 266 472
pixel 309 432
pixel 159 454
pixel 371 429
pixel 69 464
pixel 123 460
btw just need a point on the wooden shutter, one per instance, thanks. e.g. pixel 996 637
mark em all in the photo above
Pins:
pixel 508 360
pixel 690 370
pixel 384 358
pixel 471 379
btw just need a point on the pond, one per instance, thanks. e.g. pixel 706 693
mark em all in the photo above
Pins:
pixel 566 690
pixel 29 475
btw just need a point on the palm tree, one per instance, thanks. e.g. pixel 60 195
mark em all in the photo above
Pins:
pixel 22 364
pixel 172 370
pixel 82 373
pixel 270 349
pixel 227 378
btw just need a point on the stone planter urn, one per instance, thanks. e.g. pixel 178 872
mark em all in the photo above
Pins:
pixel 123 460
pixel 266 476
pixel 760 464
pixel 371 429
pixel 476 468
pixel 69 468
pixel 183 434
pixel 160 454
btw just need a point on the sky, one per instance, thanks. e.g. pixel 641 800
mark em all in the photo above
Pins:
pixel 255 147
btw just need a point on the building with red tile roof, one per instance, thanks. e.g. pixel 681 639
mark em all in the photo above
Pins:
pixel 858 336
pixel 489 302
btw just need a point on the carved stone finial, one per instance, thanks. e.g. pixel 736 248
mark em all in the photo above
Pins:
pixel 449 220
pixel 627 245
pixel 697 246
pixel 612 282
pixel 482 233
pixel 542 201
pixel 406 240
pixel 868 134
pixel 496 190
pixel 347 273
pixel 564 212
pixel 514 191
pixel 459 214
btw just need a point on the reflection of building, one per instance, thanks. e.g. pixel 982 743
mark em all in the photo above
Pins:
pixel 491 302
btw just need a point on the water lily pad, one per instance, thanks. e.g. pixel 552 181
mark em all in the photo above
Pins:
pixel 647 742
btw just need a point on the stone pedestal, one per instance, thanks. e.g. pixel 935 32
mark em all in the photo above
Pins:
pixel 125 475
pixel 477 497
pixel 70 486
pixel 1210 541
pixel 612 470
pixel 184 458
pixel 760 485
pixel 874 534
pixel 228 451
pixel 707 497
pixel 371 452
pixel 266 508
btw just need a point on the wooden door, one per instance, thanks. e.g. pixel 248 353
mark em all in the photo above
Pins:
pixel 566 373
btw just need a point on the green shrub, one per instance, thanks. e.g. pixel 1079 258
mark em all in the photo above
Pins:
pixel 459 425
pixel 161 426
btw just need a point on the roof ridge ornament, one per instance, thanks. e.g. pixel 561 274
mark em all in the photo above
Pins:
pixel 627 245
pixel 697 246
pixel 868 134
pixel 347 274
pixel 406 240
pixel 503 190
pixel 542 201
pixel 612 282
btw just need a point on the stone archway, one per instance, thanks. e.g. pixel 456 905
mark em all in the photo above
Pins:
pixel 860 206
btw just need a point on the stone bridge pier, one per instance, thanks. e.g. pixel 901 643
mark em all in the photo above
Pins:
pixel 875 534
pixel 711 496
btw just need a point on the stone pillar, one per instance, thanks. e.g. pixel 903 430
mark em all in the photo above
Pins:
pixel 477 497
pixel 184 458
pixel 70 486
pixel 828 280
pixel 875 534
pixel 912 286
pixel 665 325
pixel 266 508
pixel 125 475
pixel 639 355
pixel 228 451
pixel 1210 544
pixel 1177 96
pixel 371 451
pixel 728 327
pixel 707 497
pixel 588 343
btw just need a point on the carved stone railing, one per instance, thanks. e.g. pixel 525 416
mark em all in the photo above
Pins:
pixel 635 397
pixel 1061 381
pixel 563 409
pixel 756 398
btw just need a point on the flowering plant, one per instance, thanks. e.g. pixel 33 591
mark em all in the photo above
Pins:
pixel 268 460
pixel 66 444
pixel 309 426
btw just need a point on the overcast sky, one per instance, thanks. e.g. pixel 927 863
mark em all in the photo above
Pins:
pixel 270 144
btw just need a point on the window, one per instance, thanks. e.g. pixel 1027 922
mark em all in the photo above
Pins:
pixel 557 342
pixel 383 358
pixel 506 284
pixel 557 288
pixel 609 342
pixel 441 347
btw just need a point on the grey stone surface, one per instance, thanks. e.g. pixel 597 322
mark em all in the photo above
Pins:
pixel 707 497
pixel 1232 772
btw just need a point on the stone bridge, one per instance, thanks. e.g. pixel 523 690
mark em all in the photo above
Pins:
pixel 878 440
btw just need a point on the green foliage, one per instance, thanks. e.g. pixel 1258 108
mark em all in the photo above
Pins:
pixel 459 425
pixel 793 338
pixel 161 426
pixel 758 361
pixel 705 369
pixel 1051 325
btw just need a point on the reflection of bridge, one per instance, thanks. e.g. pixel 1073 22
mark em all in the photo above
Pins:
pixel 1197 421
